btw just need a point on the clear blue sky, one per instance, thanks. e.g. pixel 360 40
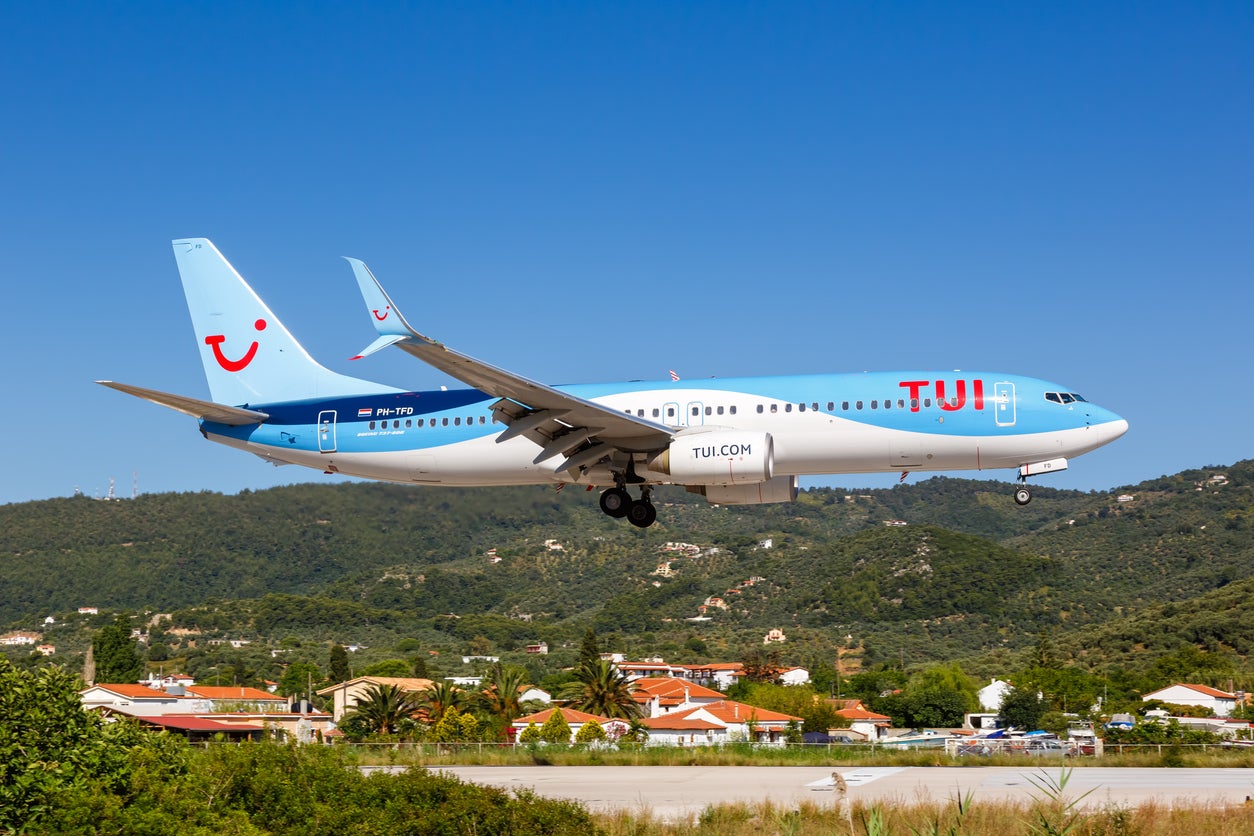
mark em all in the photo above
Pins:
pixel 589 191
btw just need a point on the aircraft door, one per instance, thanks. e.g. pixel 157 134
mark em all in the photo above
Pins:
pixel 695 414
pixel 326 431
pixel 1004 403
pixel 671 415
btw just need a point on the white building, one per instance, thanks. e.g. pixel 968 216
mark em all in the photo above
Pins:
pixel 1221 702
pixel 992 694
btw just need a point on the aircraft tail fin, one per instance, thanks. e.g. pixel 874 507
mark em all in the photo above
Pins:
pixel 248 354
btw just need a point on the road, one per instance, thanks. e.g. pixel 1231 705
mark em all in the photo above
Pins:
pixel 680 792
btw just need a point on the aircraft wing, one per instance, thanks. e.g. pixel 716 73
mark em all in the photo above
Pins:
pixel 207 410
pixel 583 431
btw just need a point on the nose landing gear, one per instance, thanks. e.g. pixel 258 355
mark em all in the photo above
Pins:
pixel 1023 495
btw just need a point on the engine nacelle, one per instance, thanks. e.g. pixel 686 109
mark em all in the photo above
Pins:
pixel 719 457
pixel 779 489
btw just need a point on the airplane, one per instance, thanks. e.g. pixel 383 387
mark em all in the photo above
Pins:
pixel 736 441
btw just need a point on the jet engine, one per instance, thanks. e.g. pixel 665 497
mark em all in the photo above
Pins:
pixel 719 457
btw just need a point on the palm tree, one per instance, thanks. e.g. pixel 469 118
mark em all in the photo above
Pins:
pixel 383 707
pixel 602 689
pixel 502 698
pixel 439 698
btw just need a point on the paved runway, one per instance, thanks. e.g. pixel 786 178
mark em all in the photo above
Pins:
pixel 680 792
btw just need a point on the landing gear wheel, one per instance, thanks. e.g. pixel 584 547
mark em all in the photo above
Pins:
pixel 1022 495
pixel 616 502
pixel 641 514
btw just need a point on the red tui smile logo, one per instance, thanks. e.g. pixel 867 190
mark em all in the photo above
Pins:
pixel 215 342
pixel 387 310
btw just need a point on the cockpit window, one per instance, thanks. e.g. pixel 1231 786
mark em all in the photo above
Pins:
pixel 1079 398
pixel 1053 397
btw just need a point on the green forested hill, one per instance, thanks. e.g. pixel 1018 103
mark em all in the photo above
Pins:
pixel 969 573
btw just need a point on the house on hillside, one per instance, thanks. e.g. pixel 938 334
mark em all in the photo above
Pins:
pixel 1221 702
pixel 865 724
pixel 741 721
pixel 346 695
pixel 992 694
pixel 614 728
pixel 718 674
pixel 673 730
pixel 661 695
pixel 135 700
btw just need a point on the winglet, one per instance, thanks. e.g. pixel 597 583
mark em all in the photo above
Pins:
pixel 386 318
pixel 381 343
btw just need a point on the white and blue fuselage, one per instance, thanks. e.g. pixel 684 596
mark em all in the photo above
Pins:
pixel 820 424
pixel 735 440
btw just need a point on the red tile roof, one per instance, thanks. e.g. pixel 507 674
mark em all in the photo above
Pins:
pixel 572 716
pixel 728 711
pixel 669 722
pixel 671 690
pixel 132 691
pixel 187 722
pixel 232 692
pixel 860 714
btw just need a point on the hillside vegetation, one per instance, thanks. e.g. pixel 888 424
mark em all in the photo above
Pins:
pixel 968 576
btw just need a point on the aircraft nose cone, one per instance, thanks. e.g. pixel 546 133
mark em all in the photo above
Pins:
pixel 1112 429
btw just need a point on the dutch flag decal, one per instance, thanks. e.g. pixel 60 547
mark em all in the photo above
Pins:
pixel 364 412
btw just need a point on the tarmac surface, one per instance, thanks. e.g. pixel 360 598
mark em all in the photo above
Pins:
pixel 675 793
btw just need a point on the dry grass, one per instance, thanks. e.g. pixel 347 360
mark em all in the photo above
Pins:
pixel 978 819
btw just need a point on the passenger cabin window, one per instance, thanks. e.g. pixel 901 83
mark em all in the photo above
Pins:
pixel 844 405
pixel 831 406
pixel 875 404
pixel 858 405
pixel 709 410
pixel 732 409
pixel 656 412
pixel 372 425
pixel 759 409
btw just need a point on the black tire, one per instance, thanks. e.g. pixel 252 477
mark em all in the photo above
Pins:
pixel 1022 496
pixel 616 502
pixel 641 514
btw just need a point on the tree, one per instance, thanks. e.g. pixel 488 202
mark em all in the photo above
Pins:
pixel 1021 708
pixel 116 653
pixel 555 729
pixel 298 678
pixel 602 689
pixel 530 735
pixel 589 649
pixel 339 664
pixel 590 732
pixel 455 727
pixel 49 744
pixel 440 698
pixel 502 698
pixel 383 708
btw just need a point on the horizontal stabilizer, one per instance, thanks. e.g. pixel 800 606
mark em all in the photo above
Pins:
pixel 207 410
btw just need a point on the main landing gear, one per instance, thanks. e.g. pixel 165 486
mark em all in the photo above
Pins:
pixel 618 503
